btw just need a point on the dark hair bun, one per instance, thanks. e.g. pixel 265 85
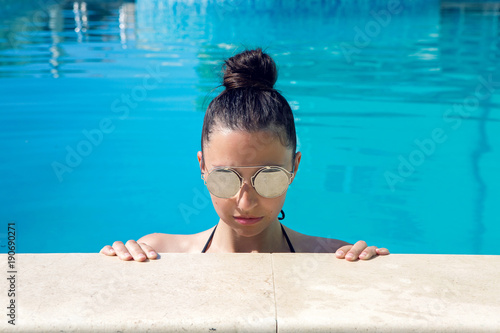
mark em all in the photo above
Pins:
pixel 251 68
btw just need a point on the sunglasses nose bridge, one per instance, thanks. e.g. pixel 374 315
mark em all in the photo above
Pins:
pixel 244 181
pixel 247 196
pixel 249 181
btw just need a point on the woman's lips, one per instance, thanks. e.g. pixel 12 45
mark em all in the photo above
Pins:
pixel 247 221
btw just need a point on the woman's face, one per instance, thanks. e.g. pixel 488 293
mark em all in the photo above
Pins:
pixel 235 148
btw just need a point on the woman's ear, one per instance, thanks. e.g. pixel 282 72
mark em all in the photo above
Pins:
pixel 200 160
pixel 298 156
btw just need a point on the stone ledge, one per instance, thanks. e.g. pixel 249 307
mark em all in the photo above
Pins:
pixel 284 292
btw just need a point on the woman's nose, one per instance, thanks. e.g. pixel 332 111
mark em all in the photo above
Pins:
pixel 247 196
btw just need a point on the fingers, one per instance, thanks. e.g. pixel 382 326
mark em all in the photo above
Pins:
pixel 136 250
pixel 149 251
pixel 108 250
pixel 355 250
pixel 130 251
pixel 368 253
pixel 341 252
pixel 121 250
pixel 382 251
pixel 359 251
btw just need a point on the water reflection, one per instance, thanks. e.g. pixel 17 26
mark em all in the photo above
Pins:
pixel 476 28
pixel 56 26
pixel 29 30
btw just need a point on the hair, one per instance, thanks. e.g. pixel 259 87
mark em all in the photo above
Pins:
pixel 249 101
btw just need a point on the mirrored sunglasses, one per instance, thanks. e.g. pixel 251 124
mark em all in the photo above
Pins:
pixel 268 181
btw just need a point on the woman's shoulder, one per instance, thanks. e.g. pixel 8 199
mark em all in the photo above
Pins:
pixel 176 243
pixel 303 243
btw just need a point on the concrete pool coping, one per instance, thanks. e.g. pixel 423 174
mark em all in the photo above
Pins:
pixel 281 292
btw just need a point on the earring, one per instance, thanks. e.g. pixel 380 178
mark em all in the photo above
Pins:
pixel 282 215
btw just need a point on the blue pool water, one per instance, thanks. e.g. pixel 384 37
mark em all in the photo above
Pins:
pixel 396 105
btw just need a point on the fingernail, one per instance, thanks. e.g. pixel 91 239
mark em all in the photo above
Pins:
pixel 362 255
pixel 152 253
pixel 111 250
pixel 350 256
pixel 141 256
pixel 340 253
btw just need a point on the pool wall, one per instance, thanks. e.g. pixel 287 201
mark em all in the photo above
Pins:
pixel 84 292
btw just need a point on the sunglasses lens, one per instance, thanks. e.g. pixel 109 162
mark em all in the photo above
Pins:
pixel 271 183
pixel 223 183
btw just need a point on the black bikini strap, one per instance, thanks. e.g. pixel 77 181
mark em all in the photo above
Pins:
pixel 287 239
pixel 209 239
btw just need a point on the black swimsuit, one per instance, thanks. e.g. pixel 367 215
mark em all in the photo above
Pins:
pixel 284 233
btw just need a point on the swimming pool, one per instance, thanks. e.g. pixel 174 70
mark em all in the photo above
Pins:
pixel 396 107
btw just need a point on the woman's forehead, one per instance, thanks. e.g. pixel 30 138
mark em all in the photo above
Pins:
pixel 242 148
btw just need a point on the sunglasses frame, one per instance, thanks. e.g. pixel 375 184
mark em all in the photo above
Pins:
pixel 262 167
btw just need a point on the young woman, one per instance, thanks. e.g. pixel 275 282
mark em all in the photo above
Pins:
pixel 248 159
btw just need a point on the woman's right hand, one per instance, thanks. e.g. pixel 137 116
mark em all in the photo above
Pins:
pixel 130 251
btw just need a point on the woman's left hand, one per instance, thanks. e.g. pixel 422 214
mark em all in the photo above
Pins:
pixel 359 251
